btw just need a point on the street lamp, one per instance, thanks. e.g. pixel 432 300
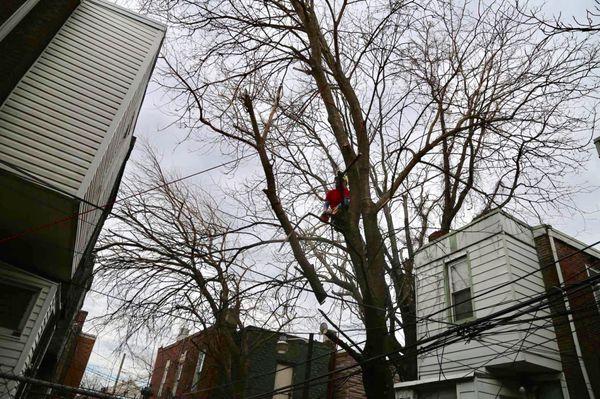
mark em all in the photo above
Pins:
pixel 282 344
pixel 597 143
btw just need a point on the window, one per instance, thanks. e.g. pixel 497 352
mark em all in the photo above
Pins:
pixel 16 302
pixel 284 376
pixel 198 370
pixel 178 373
pixel 446 392
pixel 459 277
pixel 164 377
pixel 592 272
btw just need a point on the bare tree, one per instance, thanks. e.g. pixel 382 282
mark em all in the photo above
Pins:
pixel 557 25
pixel 438 112
pixel 172 257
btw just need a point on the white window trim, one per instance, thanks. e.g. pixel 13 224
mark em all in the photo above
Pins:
pixel 164 378
pixel 447 264
pixel 36 290
pixel 178 373
pixel 595 289
pixel 198 369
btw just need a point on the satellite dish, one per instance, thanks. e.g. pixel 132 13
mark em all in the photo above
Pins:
pixel 323 328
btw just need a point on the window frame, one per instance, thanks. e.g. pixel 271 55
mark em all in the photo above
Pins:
pixel 448 287
pixel 596 288
pixel 178 371
pixel 36 291
pixel 198 370
pixel 164 378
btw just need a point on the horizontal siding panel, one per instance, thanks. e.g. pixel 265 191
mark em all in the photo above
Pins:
pixel 131 24
pixel 52 172
pixel 89 82
pixel 87 70
pixel 54 100
pixel 45 150
pixel 69 121
pixel 136 39
pixel 107 59
pixel 47 136
pixel 64 50
pixel 95 48
pixel 83 99
pixel 22 123
pixel 108 34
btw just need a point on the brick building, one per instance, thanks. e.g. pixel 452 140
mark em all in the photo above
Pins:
pixel 77 353
pixel 577 320
pixel 186 369
pixel 345 385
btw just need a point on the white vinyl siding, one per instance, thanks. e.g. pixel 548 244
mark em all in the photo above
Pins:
pixel 16 352
pixel 499 250
pixel 65 122
pixel 71 100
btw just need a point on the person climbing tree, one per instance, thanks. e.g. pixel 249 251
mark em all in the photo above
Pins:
pixel 336 199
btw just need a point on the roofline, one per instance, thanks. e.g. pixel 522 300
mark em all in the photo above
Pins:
pixel 435 380
pixel 572 241
pixel 251 328
pixel 471 223
pixel 128 13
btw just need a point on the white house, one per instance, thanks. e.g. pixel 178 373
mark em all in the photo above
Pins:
pixel 73 75
pixel 482 268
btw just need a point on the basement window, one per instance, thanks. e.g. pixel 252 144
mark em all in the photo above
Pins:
pixel 16 303
pixel 460 292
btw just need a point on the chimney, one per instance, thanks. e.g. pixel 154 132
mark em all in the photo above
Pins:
pixel 183 333
pixel 437 234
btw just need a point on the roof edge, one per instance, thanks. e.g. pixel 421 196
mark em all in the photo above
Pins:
pixel 129 13
pixel 473 222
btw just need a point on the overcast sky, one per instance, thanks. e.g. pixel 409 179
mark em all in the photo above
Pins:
pixel 155 128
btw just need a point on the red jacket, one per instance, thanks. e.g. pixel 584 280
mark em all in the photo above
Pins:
pixel 334 197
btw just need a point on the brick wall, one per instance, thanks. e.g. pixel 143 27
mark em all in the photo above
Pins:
pixel 262 361
pixel 84 344
pixel 584 307
pixel 345 386
pixel 568 354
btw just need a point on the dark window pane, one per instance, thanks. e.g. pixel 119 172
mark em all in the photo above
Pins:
pixel 463 306
pixel 438 393
pixel 15 303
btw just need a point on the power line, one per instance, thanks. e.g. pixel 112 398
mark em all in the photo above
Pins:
pixel 108 204
pixel 483 323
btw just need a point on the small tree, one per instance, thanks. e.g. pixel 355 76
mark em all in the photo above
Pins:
pixel 172 257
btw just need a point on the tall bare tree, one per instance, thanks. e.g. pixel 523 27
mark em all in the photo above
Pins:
pixel 438 111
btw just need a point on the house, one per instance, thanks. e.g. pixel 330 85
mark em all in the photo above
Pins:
pixel 491 265
pixel 73 74
pixel 190 367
